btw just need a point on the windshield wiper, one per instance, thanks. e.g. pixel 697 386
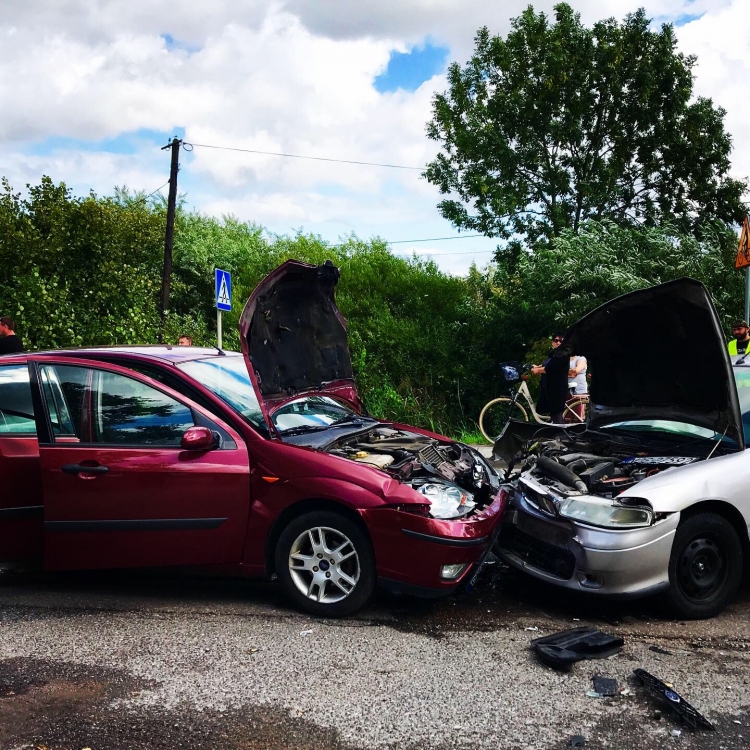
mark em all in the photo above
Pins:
pixel 352 418
pixel 303 428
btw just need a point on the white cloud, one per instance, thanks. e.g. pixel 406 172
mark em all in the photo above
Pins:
pixel 293 76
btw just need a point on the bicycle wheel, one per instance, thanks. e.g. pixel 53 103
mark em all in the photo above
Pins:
pixel 575 410
pixel 496 414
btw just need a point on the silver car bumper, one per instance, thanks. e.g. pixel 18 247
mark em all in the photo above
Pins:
pixel 632 562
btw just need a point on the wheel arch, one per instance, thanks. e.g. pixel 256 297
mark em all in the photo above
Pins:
pixel 727 511
pixel 299 508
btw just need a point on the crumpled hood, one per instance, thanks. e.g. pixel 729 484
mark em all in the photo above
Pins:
pixel 659 353
pixel 294 338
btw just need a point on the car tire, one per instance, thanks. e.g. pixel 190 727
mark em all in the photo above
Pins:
pixel 325 564
pixel 705 567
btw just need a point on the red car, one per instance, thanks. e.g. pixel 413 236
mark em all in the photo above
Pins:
pixel 252 464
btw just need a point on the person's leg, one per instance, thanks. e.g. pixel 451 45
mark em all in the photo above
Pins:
pixel 557 417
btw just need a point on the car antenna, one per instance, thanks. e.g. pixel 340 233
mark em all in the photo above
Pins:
pixel 742 361
pixel 221 352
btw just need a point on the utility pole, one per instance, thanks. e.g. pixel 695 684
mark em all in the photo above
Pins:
pixel 169 232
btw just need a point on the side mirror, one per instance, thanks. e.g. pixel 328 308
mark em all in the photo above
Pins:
pixel 198 439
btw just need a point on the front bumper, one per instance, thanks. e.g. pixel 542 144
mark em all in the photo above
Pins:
pixel 411 550
pixel 631 562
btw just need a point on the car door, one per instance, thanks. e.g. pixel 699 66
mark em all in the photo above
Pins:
pixel 118 488
pixel 21 493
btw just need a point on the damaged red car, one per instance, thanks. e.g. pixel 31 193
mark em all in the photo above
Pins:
pixel 258 463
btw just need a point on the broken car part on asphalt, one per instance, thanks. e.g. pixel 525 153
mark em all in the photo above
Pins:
pixel 676 702
pixel 560 650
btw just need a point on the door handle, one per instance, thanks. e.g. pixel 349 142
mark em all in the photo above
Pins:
pixel 78 469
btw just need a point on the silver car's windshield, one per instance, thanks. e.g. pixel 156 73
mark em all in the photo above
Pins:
pixel 742 379
pixel 227 377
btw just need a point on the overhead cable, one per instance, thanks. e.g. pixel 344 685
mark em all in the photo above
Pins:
pixel 299 156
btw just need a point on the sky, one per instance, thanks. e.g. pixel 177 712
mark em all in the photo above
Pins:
pixel 91 90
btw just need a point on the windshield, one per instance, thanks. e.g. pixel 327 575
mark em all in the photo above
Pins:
pixel 742 378
pixel 683 429
pixel 227 377
pixel 312 412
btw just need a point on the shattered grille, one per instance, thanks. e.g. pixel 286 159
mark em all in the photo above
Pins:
pixel 538 554
pixel 431 455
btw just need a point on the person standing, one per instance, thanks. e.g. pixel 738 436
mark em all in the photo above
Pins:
pixel 185 341
pixel 741 333
pixel 578 385
pixel 10 343
pixel 554 385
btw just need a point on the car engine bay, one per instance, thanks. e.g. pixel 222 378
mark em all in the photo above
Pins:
pixel 455 479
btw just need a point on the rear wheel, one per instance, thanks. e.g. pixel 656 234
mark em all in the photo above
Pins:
pixel 325 564
pixel 496 414
pixel 705 567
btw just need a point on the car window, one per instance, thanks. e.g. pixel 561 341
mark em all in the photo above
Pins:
pixel 16 411
pixel 742 378
pixel 113 409
pixel 227 377
pixel 311 411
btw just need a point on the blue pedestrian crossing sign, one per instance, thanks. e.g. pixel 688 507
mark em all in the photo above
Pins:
pixel 223 290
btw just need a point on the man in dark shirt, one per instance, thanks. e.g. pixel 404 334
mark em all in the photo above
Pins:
pixel 554 385
pixel 9 342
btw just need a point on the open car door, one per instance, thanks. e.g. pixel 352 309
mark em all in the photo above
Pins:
pixel 119 489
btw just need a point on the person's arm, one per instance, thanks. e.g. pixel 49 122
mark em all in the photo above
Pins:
pixel 537 370
pixel 579 368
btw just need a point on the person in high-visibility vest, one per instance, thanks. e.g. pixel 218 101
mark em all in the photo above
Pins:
pixel 741 340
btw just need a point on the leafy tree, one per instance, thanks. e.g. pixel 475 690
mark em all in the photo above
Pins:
pixel 557 124
pixel 559 283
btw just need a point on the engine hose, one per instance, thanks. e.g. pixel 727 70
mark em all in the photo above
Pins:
pixel 558 471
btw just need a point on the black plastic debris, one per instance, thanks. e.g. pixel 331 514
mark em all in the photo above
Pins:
pixel 577 740
pixel 605 686
pixel 560 650
pixel 676 702
pixel 659 650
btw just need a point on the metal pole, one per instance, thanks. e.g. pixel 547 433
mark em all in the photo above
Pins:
pixel 747 293
pixel 169 232
pixel 218 327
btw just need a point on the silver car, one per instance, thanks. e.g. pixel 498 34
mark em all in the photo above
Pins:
pixel 653 494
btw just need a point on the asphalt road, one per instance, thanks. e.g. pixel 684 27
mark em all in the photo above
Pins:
pixel 136 660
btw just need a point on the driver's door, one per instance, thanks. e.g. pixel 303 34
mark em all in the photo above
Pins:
pixel 118 489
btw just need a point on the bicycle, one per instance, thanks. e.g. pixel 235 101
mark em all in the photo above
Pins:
pixel 496 414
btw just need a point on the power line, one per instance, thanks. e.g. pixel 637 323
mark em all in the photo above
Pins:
pixel 146 197
pixel 438 239
pixel 298 156
pixel 458 252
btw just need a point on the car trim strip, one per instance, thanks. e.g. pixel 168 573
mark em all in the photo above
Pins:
pixel 23 513
pixel 136 524
pixel 445 540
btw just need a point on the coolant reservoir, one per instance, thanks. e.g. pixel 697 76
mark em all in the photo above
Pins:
pixel 374 459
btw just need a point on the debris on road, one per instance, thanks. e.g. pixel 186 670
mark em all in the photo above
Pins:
pixel 577 740
pixel 660 650
pixel 675 733
pixel 605 686
pixel 534 628
pixel 560 650
pixel 306 632
pixel 676 702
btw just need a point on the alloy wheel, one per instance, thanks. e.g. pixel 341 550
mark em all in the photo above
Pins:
pixel 324 565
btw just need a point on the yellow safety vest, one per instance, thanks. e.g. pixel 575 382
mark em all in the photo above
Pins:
pixel 733 348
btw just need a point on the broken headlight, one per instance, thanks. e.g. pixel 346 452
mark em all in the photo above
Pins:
pixel 446 500
pixel 610 514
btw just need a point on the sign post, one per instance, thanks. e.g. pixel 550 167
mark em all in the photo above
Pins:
pixel 223 297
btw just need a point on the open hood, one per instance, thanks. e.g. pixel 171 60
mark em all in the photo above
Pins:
pixel 294 337
pixel 659 353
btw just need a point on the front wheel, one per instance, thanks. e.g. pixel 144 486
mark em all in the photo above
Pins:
pixel 705 567
pixel 325 564
pixel 496 415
